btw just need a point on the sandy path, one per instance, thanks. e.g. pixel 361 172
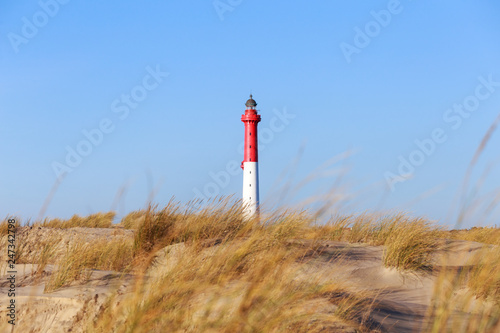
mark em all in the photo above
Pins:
pixel 402 298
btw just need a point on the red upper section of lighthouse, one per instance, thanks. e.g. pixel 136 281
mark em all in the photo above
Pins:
pixel 250 119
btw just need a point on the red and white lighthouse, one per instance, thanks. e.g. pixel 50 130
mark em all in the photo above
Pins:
pixel 250 164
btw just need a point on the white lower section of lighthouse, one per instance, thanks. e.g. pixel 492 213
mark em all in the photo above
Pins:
pixel 250 188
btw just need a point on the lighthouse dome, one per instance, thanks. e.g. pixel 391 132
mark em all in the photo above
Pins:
pixel 251 102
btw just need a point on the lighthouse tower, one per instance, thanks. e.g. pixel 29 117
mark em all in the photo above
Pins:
pixel 250 164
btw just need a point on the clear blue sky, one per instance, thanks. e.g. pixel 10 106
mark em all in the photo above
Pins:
pixel 328 77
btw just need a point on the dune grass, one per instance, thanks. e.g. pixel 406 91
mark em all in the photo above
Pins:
pixel 81 258
pixel 98 220
pixel 245 281
pixel 133 219
pixel 244 275
pixel 408 242
pixel 45 257
pixel 4 225
pixel 176 223
pixel 486 235
pixel 158 228
pixel 467 299
pixel 483 275
pixel 235 274
pixel 484 279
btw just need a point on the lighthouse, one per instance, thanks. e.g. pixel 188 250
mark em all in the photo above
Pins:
pixel 250 164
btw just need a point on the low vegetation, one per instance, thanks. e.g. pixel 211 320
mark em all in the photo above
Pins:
pixel 408 242
pixel 4 225
pixel 81 258
pixel 98 220
pixel 232 275
pixel 467 300
pixel 487 235
pixel 209 269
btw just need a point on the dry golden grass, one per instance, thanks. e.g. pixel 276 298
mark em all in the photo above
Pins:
pixel 133 219
pixel 467 299
pixel 484 278
pixel 45 257
pixel 336 229
pixel 98 220
pixel 486 235
pixel 4 225
pixel 81 258
pixel 408 242
pixel 246 282
pixel 175 223
pixel 455 308
pixel 239 275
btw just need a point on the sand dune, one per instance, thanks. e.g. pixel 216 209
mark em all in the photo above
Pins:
pixel 400 299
